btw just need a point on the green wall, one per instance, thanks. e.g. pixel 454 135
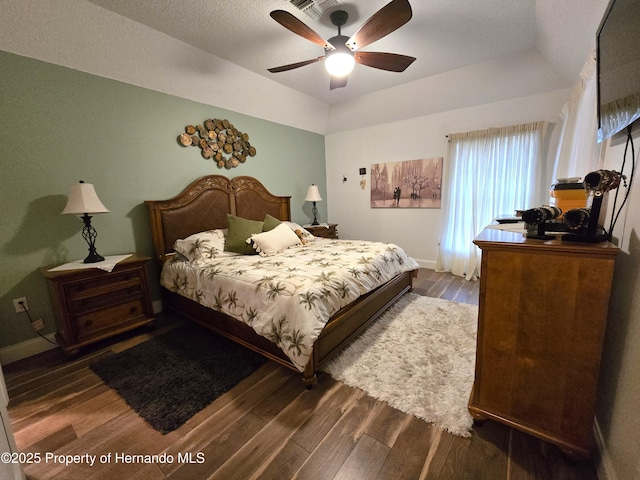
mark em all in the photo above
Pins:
pixel 58 126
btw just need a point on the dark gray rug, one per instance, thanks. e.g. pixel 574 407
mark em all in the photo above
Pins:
pixel 170 378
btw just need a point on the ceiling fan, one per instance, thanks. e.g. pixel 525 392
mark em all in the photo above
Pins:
pixel 342 52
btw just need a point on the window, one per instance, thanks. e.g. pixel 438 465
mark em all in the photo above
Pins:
pixel 491 172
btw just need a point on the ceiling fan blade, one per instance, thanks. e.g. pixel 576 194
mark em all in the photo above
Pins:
pixel 291 66
pixel 389 18
pixel 392 62
pixel 338 82
pixel 290 22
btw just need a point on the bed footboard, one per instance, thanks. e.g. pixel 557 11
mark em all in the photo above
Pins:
pixel 350 321
pixel 341 329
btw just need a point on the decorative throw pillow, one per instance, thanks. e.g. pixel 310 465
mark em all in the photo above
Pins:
pixel 201 247
pixel 240 229
pixel 270 223
pixel 274 241
pixel 306 235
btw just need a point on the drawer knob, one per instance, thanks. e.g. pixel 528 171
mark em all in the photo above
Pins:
pixel 133 310
pixel 88 323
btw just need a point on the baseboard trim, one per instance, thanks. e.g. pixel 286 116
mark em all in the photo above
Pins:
pixel 430 264
pixel 604 467
pixel 157 306
pixel 28 348
pixel 37 345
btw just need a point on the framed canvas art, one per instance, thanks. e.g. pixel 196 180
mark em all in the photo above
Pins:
pixel 407 184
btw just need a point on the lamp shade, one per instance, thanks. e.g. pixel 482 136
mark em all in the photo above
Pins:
pixel 313 195
pixel 83 199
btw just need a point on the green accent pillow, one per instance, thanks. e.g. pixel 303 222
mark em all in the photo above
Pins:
pixel 270 223
pixel 240 229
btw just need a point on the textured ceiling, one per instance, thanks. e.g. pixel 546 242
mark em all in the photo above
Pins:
pixel 443 35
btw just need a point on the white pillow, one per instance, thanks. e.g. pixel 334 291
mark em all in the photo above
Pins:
pixel 203 246
pixel 274 241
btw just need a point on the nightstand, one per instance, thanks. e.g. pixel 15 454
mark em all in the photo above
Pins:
pixel 91 304
pixel 325 230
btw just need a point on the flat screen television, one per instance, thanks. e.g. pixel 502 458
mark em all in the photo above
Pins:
pixel 618 66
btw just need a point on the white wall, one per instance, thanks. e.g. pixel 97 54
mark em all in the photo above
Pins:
pixel 416 230
pixel 619 391
pixel 8 470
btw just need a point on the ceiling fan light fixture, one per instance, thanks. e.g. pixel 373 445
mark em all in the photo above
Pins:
pixel 339 64
pixel 342 52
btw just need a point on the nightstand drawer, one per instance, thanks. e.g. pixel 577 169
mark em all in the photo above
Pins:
pixel 102 284
pixel 325 231
pixel 108 319
pixel 95 299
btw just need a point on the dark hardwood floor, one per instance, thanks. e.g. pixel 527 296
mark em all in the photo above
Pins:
pixel 267 427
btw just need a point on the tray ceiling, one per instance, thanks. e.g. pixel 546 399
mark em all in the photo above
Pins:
pixel 443 35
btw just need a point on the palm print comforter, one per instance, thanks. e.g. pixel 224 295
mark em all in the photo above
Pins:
pixel 289 297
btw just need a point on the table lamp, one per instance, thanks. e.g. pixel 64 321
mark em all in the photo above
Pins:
pixel 84 201
pixel 313 195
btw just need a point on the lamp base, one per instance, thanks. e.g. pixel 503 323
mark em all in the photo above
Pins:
pixel 93 257
pixel 89 234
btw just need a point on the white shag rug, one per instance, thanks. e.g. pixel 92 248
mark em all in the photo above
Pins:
pixel 418 357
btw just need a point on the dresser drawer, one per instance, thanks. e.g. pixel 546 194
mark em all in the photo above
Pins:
pixel 107 319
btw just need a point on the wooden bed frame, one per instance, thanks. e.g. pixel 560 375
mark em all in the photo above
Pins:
pixel 204 205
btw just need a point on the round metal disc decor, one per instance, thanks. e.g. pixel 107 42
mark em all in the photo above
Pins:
pixel 220 141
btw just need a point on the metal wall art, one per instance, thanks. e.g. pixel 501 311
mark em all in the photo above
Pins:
pixel 408 184
pixel 220 141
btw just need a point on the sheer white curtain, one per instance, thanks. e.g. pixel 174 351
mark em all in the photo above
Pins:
pixel 578 150
pixel 491 172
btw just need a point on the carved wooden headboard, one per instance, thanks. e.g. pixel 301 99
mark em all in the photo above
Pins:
pixel 204 205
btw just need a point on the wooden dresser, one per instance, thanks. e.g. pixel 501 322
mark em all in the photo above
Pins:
pixel 92 304
pixel 541 323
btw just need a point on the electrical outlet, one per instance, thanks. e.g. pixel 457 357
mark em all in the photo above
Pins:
pixel 37 325
pixel 20 304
